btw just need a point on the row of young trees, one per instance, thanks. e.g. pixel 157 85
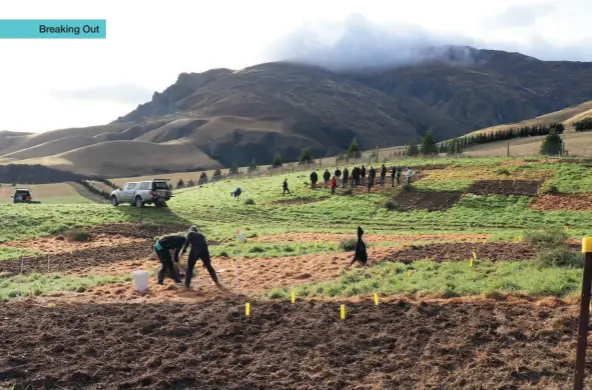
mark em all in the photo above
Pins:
pixel 583 125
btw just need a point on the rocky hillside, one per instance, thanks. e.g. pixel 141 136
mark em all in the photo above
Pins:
pixel 223 116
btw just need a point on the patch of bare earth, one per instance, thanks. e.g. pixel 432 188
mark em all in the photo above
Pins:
pixel 492 251
pixel 574 202
pixel 212 345
pixel 368 238
pixel 427 200
pixel 60 244
pixel 505 187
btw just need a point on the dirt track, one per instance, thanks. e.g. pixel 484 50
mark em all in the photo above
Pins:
pixel 212 345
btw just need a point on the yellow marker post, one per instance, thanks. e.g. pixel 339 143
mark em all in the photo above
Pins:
pixel 376 299
pixel 566 228
pixel 343 312
pixel 409 273
pixel 484 242
pixel 471 263
pixel 248 309
pixel 293 296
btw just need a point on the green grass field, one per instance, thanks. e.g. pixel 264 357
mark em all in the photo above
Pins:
pixel 219 216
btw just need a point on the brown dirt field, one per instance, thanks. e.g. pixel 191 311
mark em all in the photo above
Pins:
pixel 492 251
pixel 575 202
pixel 139 249
pixel 368 238
pixel 52 245
pixel 505 187
pixel 427 200
pixel 212 345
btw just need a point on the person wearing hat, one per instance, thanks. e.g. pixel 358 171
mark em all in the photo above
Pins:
pixel 361 254
pixel 199 250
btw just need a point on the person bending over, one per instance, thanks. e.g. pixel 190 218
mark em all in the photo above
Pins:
pixel 199 250
pixel 164 247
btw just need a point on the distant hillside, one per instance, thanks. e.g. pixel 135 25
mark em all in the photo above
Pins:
pixel 222 116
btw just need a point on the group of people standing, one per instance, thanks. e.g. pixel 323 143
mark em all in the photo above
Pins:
pixel 361 176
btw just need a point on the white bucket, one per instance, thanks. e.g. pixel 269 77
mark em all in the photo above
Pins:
pixel 141 280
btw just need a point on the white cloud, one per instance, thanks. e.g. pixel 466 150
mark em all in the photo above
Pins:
pixel 150 42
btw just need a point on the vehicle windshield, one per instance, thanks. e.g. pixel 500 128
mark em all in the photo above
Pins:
pixel 160 185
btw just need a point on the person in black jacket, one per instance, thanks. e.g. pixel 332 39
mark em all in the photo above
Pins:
pixel 393 173
pixel 163 249
pixel 326 176
pixel 285 186
pixel 345 176
pixel 199 250
pixel 363 174
pixel 361 254
pixel 314 178
pixel 383 174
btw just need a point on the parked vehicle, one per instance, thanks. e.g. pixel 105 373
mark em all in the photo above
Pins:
pixel 22 195
pixel 138 194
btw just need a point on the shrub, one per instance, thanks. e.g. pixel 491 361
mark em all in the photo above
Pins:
pixel 348 191
pixel 190 183
pixel 249 202
pixel 547 189
pixel 348 245
pixel 390 205
pixel 502 171
pixel 224 254
pixel 560 256
pixel 256 249
pixel 548 238
pixel 77 235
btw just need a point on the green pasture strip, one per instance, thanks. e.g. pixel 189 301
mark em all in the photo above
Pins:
pixel 14 253
pixel 37 284
pixel 445 279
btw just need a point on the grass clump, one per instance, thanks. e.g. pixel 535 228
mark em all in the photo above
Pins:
pixel 77 235
pixel 348 245
pixel 249 202
pixel 390 205
pixel 548 189
pixel 551 237
pixel 502 171
pixel 561 256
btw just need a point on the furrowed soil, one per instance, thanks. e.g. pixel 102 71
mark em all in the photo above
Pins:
pixel 493 251
pixel 212 345
pixel 505 187
pixel 576 202
pixel 427 200
pixel 368 238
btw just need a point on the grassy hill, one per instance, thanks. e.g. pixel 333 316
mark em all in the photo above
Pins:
pixel 233 116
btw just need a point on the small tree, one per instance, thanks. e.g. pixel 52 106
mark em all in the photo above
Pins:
pixel 253 165
pixel 233 169
pixel 553 144
pixel 428 146
pixel 305 157
pixel 277 160
pixel 454 147
pixel 191 183
pixel 412 150
pixel 217 173
pixel 203 178
pixel 180 183
pixel 354 149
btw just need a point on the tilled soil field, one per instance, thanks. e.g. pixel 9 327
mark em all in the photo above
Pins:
pixel 575 202
pixel 505 187
pixel 212 345
pixel 60 244
pixel 85 258
pixel 427 200
pixel 304 237
pixel 137 230
pixel 493 251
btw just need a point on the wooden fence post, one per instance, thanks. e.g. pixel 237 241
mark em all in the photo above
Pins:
pixel 584 315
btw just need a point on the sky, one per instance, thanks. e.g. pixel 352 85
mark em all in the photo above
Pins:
pixel 52 84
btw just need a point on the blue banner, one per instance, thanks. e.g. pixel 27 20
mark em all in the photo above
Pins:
pixel 53 29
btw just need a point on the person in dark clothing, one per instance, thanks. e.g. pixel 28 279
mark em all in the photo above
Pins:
pixel 199 250
pixel 337 173
pixel 399 171
pixel 355 176
pixel 314 178
pixel 326 176
pixel 382 174
pixel 163 249
pixel 236 193
pixel 363 174
pixel 393 174
pixel 286 189
pixel 361 254
pixel 345 177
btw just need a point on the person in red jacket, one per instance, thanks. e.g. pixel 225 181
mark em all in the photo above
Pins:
pixel 333 184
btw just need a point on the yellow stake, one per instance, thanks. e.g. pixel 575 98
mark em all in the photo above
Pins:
pixel 566 228
pixel 474 256
pixel 484 241
pixel 293 297
pixel 376 299
pixel 409 273
pixel 343 312
pixel 248 309
pixel 471 263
